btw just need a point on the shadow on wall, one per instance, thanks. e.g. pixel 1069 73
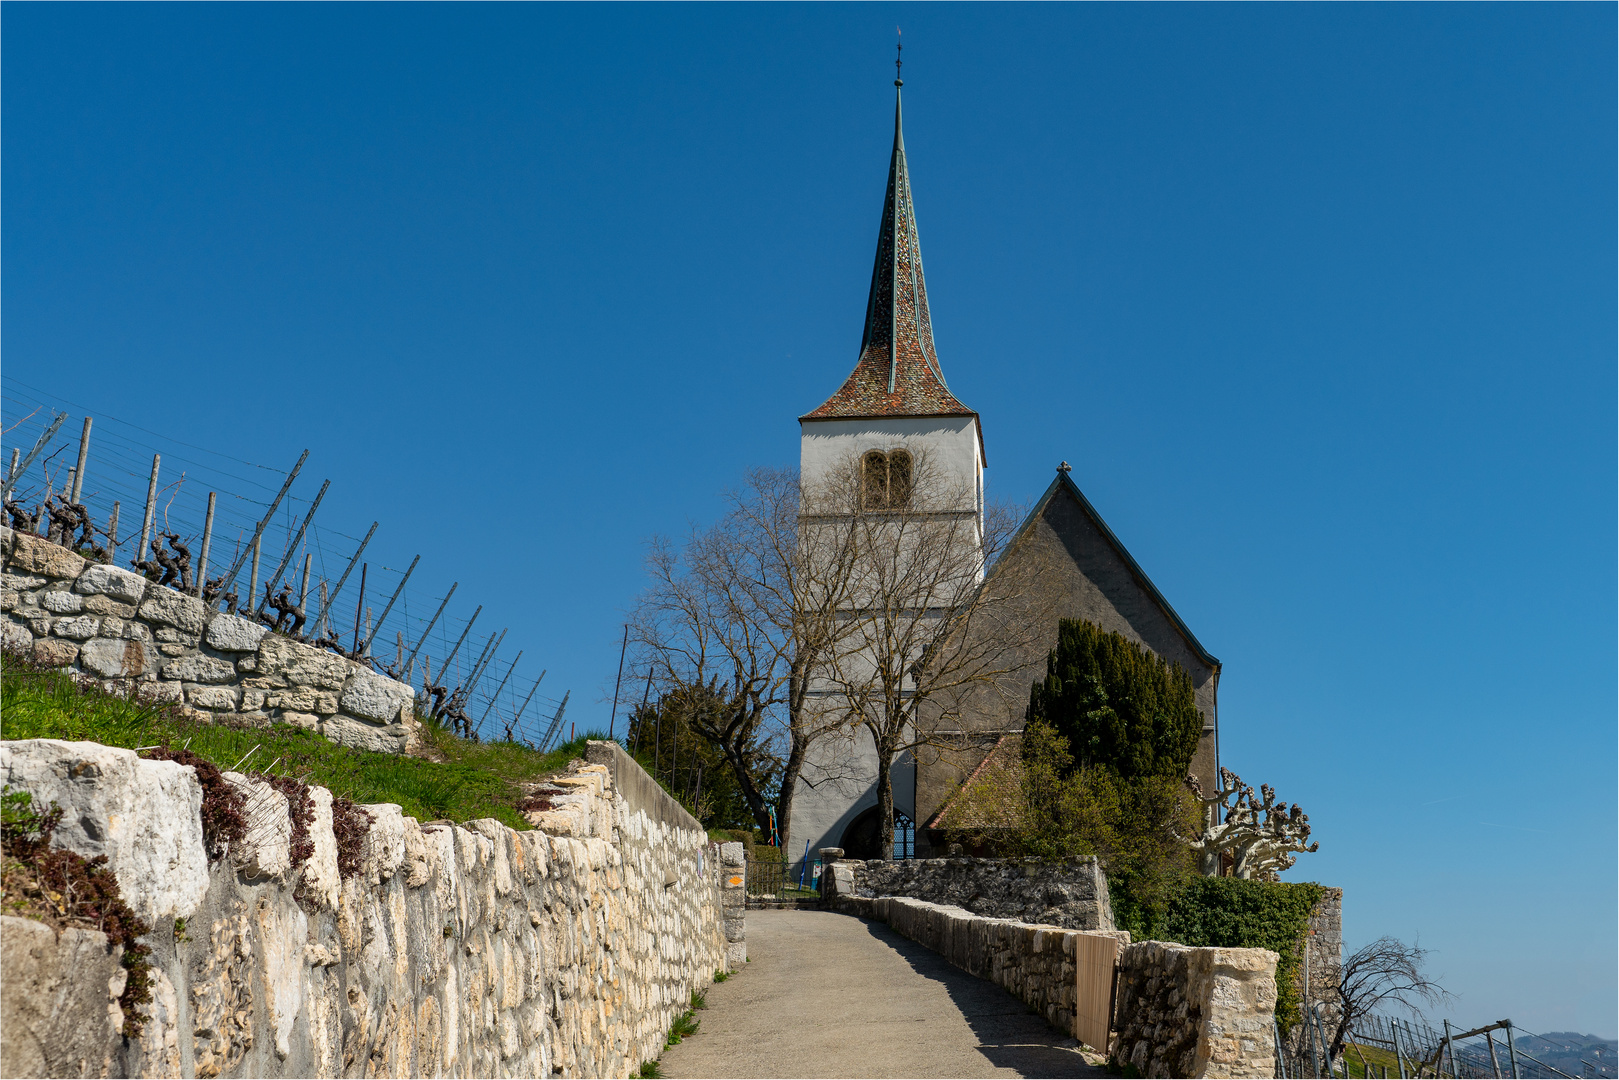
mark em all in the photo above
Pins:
pixel 1010 1035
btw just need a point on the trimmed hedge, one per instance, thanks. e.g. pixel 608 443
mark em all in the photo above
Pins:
pixel 1233 913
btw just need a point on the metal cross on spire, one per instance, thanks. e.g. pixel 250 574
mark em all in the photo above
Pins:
pixel 899 48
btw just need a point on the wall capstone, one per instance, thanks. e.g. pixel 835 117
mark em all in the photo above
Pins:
pixel 144 816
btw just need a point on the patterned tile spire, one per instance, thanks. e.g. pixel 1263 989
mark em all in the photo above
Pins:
pixel 898 372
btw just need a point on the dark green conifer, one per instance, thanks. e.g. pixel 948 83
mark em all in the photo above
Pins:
pixel 1118 705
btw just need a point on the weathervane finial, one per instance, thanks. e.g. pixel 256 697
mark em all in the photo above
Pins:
pixel 899 48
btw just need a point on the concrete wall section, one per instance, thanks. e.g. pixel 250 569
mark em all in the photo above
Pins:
pixel 164 646
pixel 470 950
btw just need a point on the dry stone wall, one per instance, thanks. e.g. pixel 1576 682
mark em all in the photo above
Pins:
pixel 1183 1011
pixel 1177 1010
pixel 456 950
pixel 1033 963
pixel 1071 893
pixel 1322 965
pixel 113 624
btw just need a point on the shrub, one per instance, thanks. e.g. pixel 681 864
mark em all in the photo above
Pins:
pixel 1039 804
pixel 64 889
pixel 223 822
pixel 1118 705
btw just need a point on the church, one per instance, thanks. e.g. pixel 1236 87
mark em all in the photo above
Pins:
pixel 896 404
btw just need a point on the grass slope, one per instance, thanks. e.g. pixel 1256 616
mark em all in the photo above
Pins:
pixel 472 779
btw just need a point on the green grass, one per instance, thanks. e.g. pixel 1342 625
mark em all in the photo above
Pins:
pixel 474 780
pixel 1376 1057
pixel 650 1070
pixel 684 1027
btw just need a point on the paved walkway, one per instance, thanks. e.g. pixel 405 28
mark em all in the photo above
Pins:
pixel 830 995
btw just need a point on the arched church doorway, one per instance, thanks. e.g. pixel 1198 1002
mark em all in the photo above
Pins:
pixel 863 839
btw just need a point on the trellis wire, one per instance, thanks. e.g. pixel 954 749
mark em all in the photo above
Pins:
pixel 199 494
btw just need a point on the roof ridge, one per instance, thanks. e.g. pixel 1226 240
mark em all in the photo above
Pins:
pixel 1064 481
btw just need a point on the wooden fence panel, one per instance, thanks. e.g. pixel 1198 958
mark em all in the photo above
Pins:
pixel 1095 962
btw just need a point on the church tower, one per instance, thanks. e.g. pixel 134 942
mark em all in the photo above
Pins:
pixel 895 408
pixel 894 428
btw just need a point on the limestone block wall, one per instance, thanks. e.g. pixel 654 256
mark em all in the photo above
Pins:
pixel 1034 963
pixel 1071 894
pixel 1177 1010
pixel 113 624
pixel 455 950
pixel 1183 1011
pixel 1324 955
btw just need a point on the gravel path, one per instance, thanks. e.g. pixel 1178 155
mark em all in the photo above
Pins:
pixel 831 995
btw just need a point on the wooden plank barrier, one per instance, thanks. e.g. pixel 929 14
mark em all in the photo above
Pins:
pixel 1096 958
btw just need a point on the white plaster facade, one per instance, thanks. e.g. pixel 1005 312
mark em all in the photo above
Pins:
pixel 838 782
pixel 952 446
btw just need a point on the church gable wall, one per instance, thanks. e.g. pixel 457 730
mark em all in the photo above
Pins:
pixel 1100 588
pixel 1081 576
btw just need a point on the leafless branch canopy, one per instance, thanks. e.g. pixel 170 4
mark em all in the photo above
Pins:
pixel 1260 833
pixel 1385 972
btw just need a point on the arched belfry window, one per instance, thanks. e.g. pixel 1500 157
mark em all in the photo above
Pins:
pixel 886 479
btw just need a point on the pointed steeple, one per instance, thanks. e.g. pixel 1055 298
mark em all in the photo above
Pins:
pixel 898 372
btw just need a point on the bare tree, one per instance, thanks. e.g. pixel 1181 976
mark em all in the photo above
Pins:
pixel 1386 971
pixel 1259 834
pixel 927 634
pixel 746 611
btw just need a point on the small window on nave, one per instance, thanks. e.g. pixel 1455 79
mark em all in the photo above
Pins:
pixel 886 479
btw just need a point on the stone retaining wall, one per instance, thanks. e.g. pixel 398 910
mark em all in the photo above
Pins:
pixel 1071 894
pixel 1323 955
pixel 1033 963
pixel 1183 1011
pixel 470 950
pixel 165 646
pixel 1177 1010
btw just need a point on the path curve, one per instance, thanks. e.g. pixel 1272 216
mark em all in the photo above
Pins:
pixel 830 995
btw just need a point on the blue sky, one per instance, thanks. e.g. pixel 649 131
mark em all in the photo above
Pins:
pixel 1317 299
